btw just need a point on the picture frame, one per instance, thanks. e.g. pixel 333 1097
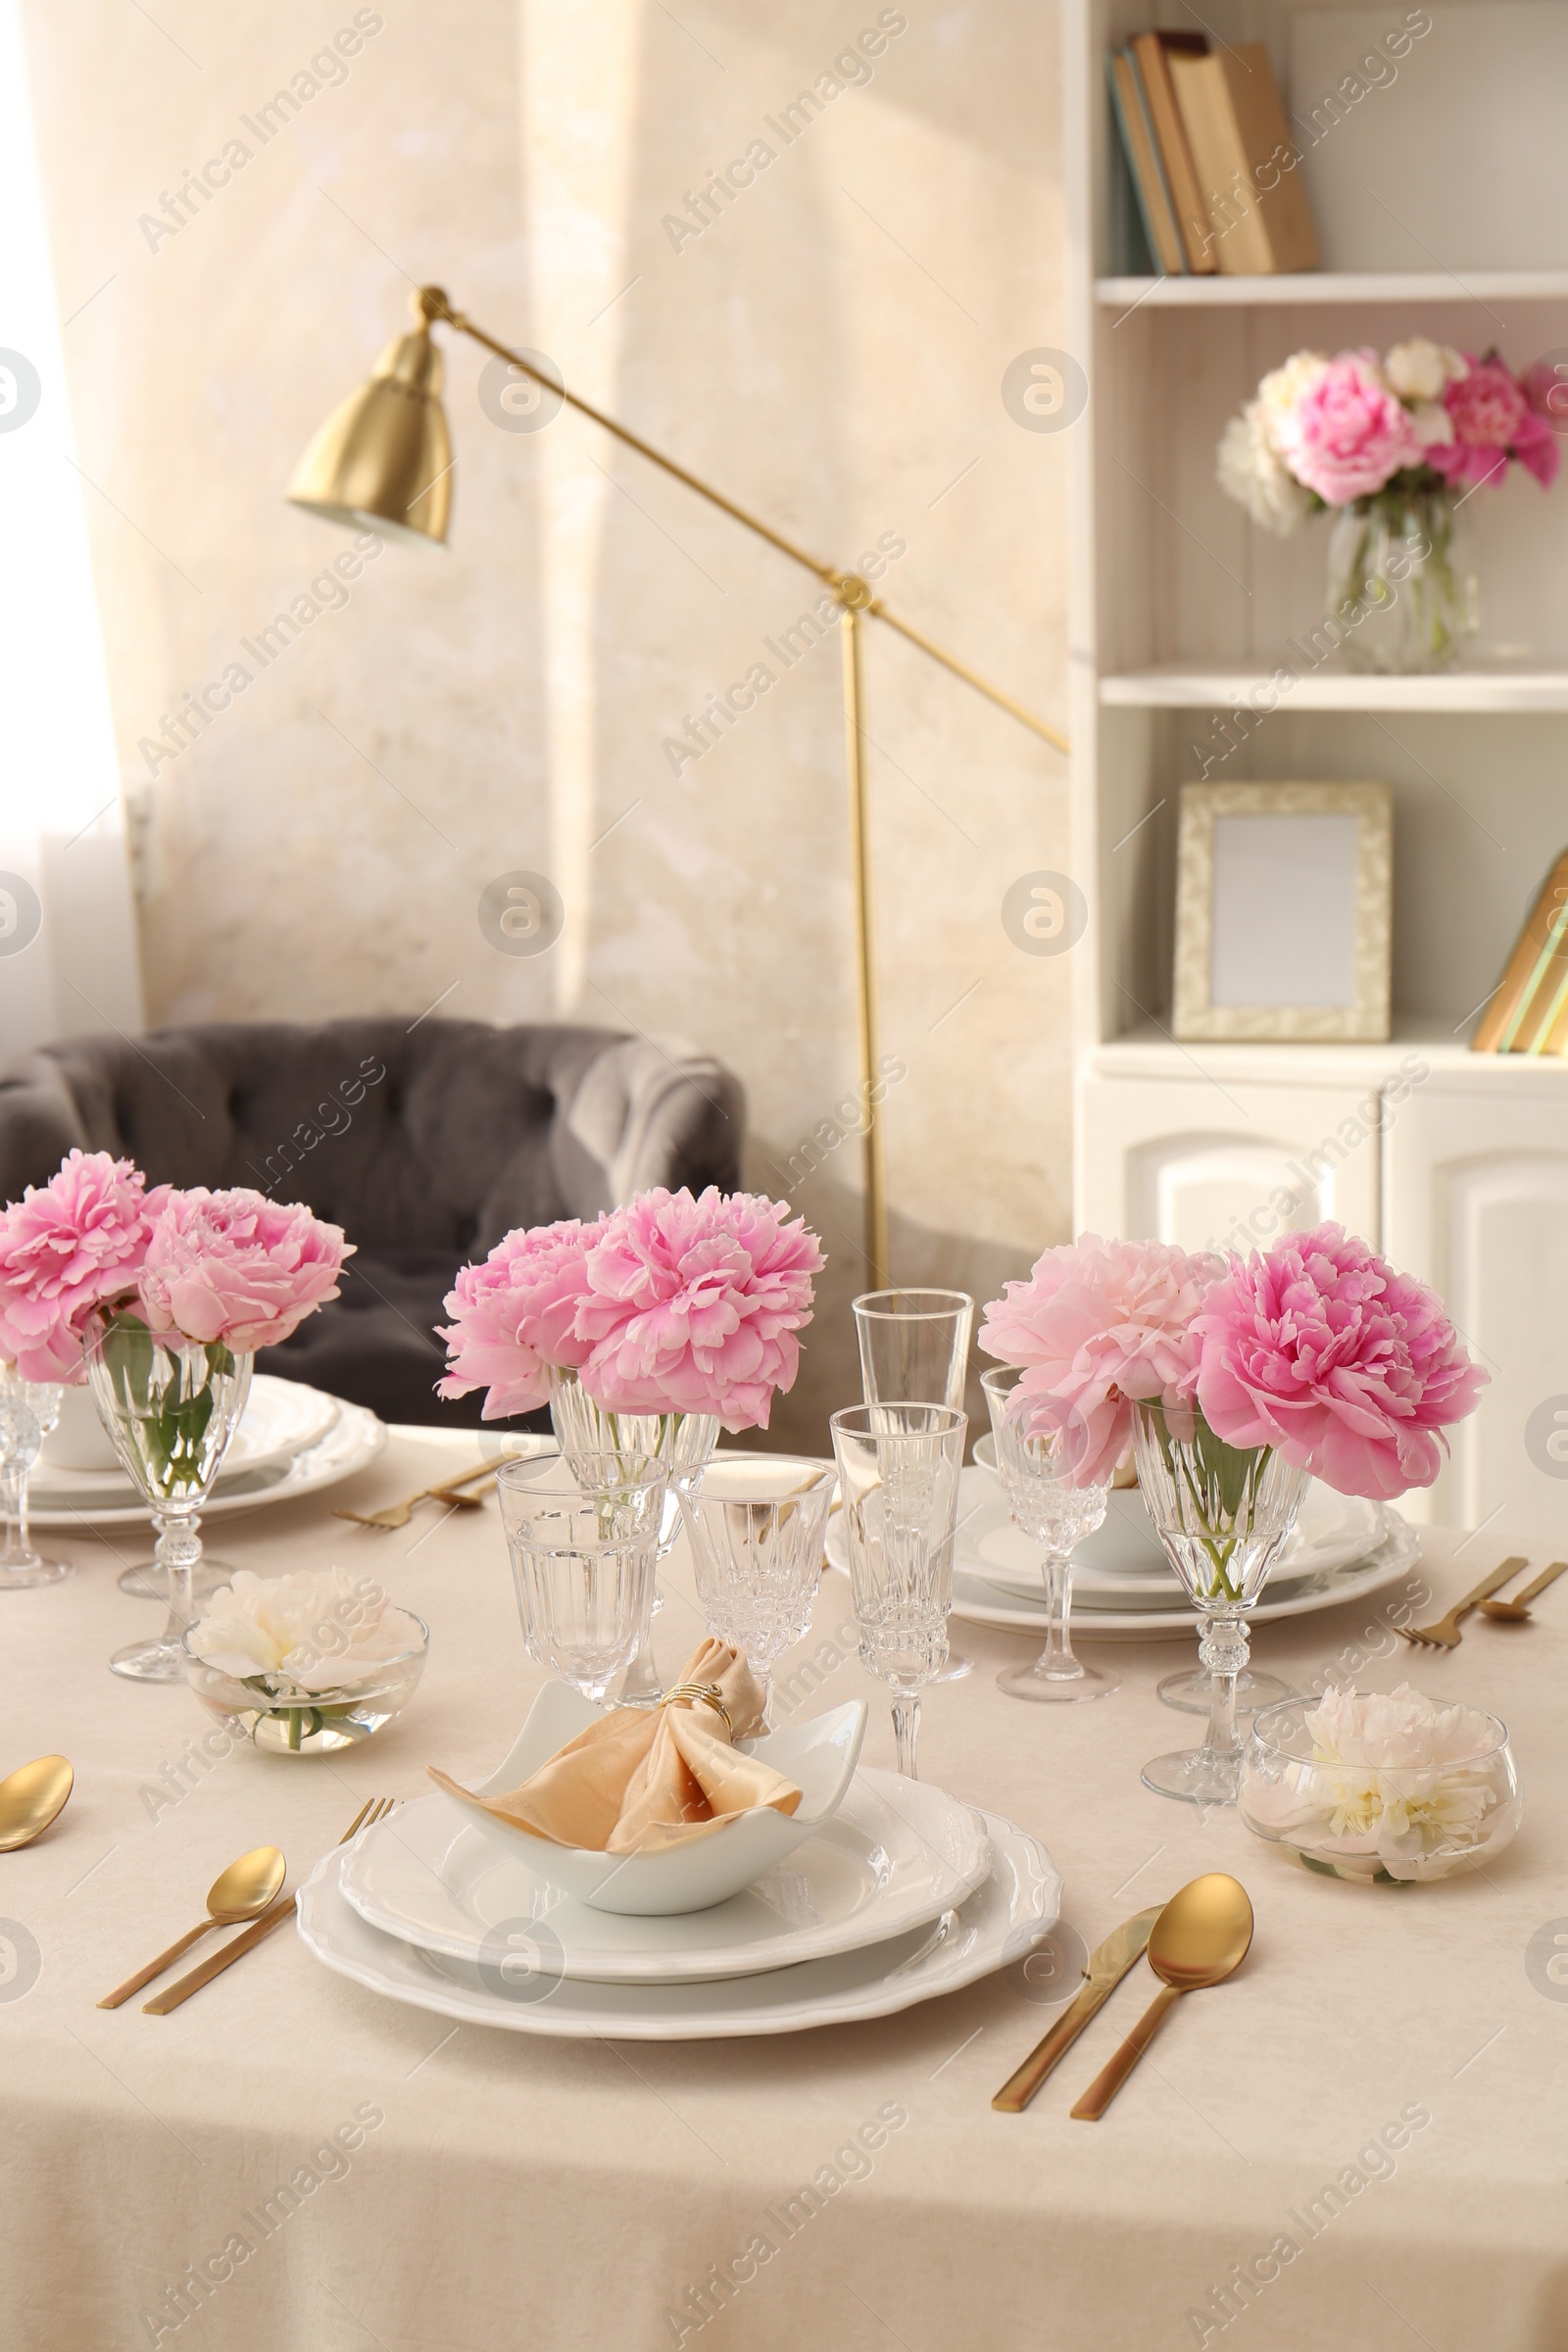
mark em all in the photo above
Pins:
pixel 1283 912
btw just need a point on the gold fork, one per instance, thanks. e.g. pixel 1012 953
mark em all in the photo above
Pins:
pixel 398 1514
pixel 374 1809
pixel 1445 1633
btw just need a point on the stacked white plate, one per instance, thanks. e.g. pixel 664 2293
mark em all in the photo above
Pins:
pixel 1124 1588
pixel 291 1441
pixel 903 1894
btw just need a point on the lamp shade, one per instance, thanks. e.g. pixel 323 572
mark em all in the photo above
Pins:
pixel 383 458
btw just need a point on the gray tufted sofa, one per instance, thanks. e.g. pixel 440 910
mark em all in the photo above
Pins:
pixel 425 1139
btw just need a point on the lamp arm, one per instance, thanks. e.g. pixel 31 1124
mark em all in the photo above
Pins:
pixel 851 591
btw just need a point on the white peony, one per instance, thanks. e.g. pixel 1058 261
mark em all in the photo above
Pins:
pixel 1252 465
pixel 314 1631
pixel 1421 370
pixel 1396 1782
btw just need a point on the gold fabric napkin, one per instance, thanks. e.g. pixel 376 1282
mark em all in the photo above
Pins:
pixel 642 1778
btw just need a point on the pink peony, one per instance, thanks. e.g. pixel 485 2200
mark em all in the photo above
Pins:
pixel 237 1268
pixel 693 1305
pixel 1097 1327
pixel 63 1247
pixel 1319 1347
pixel 514 1316
pixel 1348 433
pixel 1493 422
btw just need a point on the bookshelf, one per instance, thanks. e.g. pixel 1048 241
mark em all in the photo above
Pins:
pixel 1182 608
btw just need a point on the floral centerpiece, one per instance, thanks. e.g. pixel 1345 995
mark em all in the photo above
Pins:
pixel 645 1332
pixel 1390 446
pixel 159 1300
pixel 1387 1787
pixel 1234 1380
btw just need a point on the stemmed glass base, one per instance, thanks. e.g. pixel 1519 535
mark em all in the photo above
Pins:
pixel 145 1580
pixel 1200 1775
pixel 1193 1693
pixel 1211 1775
pixel 20 1576
pixel 1059 1680
pixel 180 1547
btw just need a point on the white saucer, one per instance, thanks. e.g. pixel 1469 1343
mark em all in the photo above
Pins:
pixel 983 1603
pixel 282 1418
pixel 895 1855
pixel 523 1992
pixel 352 1443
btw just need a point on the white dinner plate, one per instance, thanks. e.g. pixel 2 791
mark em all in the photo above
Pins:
pixel 352 1442
pixel 895 1855
pixel 282 1418
pixel 522 1991
pixel 1140 1620
pixel 1123 1556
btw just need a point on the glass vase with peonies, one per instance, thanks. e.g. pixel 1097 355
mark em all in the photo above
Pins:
pixel 158 1300
pixel 1232 1381
pixel 645 1333
pixel 1392 447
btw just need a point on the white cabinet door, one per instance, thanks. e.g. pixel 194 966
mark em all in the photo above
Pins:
pixel 1477 1204
pixel 1224 1166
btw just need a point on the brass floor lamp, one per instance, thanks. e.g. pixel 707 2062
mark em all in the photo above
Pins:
pixel 383 458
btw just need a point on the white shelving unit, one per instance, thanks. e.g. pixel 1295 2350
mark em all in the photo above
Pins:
pixel 1456 1163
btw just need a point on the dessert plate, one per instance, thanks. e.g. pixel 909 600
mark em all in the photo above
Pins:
pixel 521 1988
pixel 352 1442
pixel 895 1855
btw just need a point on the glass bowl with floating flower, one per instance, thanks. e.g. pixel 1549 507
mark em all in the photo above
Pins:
pixel 308 1664
pixel 1390 1789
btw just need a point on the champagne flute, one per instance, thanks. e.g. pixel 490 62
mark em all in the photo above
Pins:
pixel 914 1346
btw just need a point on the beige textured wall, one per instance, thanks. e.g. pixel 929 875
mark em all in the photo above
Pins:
pixel 830 350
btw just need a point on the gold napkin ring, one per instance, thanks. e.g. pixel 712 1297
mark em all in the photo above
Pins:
pixel 705 1694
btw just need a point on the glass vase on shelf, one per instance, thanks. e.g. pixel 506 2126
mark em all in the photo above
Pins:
pixel 1403 592
pixel 1221 1513
pixel 680 1441
pixel 29 1412
pixel 170 1404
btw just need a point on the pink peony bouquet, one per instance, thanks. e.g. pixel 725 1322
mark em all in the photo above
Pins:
pixel 230 1266
pixel 1324 432
pixel 237 1267
pixel 1316 1348
pixel 1098 1327
pixel 63 1247
pixel 667 1306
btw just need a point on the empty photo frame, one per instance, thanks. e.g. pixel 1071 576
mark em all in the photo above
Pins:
pixel 1284 902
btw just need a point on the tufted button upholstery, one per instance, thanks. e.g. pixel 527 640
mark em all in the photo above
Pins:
pixel 425 1140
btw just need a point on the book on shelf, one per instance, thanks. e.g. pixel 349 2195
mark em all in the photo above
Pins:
pixel 1258 220
pixel 1152 53
pixel 1528 1011
pixel 1148 172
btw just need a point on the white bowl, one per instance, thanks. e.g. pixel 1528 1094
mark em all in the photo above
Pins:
pixel 819 1757
pixel 80 1440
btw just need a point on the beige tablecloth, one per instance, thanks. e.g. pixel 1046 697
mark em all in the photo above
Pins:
pixel 463 2190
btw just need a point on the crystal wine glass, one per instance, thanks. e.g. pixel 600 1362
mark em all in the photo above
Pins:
pixel 754 1523
pixel 914 1346
pixel 170 1404
pixel 1222 1514
pixel 899 1467
pixel 583 1546
pixel 29 1412
pixel 1048 1507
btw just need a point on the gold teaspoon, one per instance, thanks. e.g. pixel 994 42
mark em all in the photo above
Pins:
pixel 1199 1939
pixel 29 1799
pixel 242 1891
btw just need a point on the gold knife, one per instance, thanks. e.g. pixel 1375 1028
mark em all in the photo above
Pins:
pixel 214 1965
pixel 1108 1964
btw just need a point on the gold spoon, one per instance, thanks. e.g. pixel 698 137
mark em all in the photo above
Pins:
pixel 1200 1937
pixel 29 1799
pixel 242 1891
pixel 1515 1612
